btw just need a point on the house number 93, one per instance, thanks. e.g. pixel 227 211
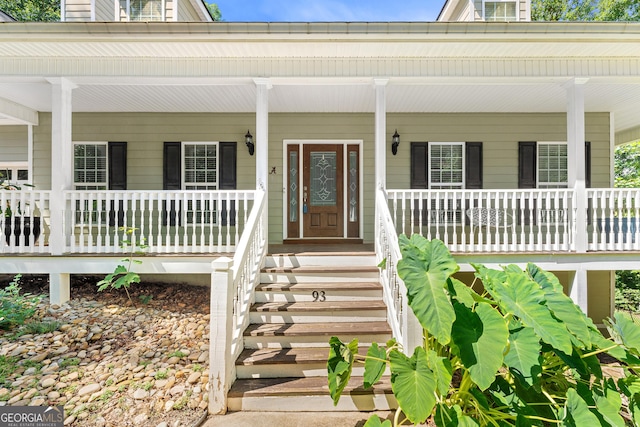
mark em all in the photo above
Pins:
pixel 318 296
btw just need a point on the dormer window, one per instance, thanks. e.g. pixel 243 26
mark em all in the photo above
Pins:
pixel 501 10
pixel 145 10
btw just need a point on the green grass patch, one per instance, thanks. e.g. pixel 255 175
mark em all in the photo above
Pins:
pixel 72 361
pixel 39 328
pixel 8 365
pixel 178 354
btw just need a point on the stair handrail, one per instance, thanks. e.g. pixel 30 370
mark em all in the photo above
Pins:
pixel 404 325
pixel 233 283
pixel 247 262
pixel 388 251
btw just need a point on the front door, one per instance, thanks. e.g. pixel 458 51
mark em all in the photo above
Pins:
pixel 322 190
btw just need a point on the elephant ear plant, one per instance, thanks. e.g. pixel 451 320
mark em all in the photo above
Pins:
pixel 520 353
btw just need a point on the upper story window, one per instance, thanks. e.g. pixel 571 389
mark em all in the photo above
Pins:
pixel 144 10
pixel 90 165
pixel 501 10
pixel 552 165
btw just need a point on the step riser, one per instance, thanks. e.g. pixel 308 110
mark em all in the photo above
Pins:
pixel 305 403
pixel 318 260
pixel 307 317
pixel 306 341
pixel 328 276
pixel 308 296
pixel 289 370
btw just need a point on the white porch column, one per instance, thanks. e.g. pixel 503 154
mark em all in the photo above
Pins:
pixel 578 288
pixel 61 157
pixel 262 142
pixel 381 133
pixel 576 157
pixel 61 178
pixel 262 132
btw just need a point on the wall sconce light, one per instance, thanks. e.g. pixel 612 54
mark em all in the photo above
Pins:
pixel 248 139
pixel 396 142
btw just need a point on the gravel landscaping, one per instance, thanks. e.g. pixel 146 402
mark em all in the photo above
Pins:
pixel 110 362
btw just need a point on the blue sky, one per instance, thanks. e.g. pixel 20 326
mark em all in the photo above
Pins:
pixel 328 10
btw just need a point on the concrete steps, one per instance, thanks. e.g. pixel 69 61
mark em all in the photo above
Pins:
pixel 303 300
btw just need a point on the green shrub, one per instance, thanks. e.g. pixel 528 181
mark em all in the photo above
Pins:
pixel 124 276
pixel 520 354
pixel 16 308
pixel 628 290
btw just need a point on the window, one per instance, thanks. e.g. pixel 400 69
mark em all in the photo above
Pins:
pixel 200 166
pixel 446 165
pixel 90 173
pixel 90 165
pixel 145 10
pixel 500 11
pixel 552 165
pixel 14 172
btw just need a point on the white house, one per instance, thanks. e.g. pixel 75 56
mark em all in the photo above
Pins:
pixel 231 143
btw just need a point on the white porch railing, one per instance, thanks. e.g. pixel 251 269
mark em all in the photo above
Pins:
pixel 404 325
pixel 233 283
pixel 613 216
pixel 24 221
pixel 168 221
pixel 488 220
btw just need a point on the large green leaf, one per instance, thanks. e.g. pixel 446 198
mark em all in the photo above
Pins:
pixel 425 267
pixel 609 403
pixel 562 307
pixel 480 338
pixel 626 330
pixel 375 421
pixel 579 411
pixel 441 367
pixel 413 384
pixel 374 365
pixel 340 365
pixel 523 356
pixel 518 294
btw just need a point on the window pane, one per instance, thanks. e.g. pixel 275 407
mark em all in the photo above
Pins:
pixel 500 11
pixel 446 165
pixel 552 165
pixel 90 165
pixel 145 10
pixel 200 166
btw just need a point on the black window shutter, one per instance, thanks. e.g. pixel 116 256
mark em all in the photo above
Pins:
pixel 171 180
pixel 527 164
pixel 228 180
pixel 227 164
pixel 117 165
pixel 419 162
pixel 527 173
pixel 474 165
pixel 117 152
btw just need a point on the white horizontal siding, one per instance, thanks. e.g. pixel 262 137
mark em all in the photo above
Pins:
pixel 310 67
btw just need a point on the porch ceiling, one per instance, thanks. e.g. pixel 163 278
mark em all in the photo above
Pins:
pixel 323 67
pixel 443 96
